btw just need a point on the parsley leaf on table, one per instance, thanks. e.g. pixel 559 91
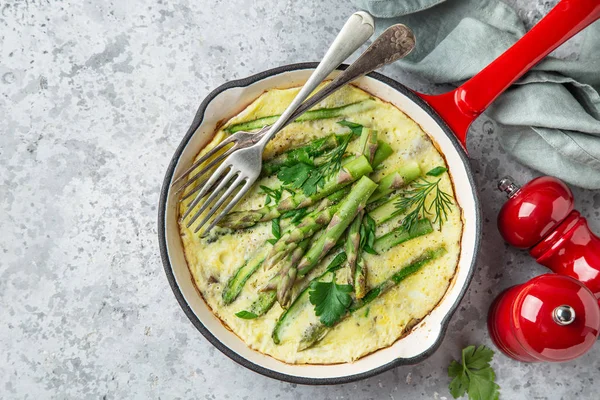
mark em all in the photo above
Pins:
pixel 474 376
pixel 331 300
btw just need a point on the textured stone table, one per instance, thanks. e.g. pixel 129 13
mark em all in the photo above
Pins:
pixel 94 98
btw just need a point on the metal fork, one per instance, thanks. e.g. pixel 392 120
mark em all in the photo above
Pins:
pixel 244 165
pixel 355 32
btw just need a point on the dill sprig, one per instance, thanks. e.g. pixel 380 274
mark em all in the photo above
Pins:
pixel 334 158
pixel 415 198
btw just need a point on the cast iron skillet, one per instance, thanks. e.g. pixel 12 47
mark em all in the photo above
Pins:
pixel 445 118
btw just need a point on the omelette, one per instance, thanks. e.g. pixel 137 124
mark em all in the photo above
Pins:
pixel 217 259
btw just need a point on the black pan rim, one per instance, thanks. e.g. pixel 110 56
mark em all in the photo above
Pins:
pixel 200 326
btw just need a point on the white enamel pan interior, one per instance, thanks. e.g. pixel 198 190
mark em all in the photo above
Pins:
pixel 227 101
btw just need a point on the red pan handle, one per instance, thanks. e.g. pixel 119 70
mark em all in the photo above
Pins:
pixel 460 107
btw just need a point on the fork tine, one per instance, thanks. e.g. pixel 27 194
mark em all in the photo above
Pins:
pixel 211 181
pixel 229 206
pixel 222 184
pixel 205 157
pixel 220 202
pixel 193 191
pixel 206 168
pixel 231 139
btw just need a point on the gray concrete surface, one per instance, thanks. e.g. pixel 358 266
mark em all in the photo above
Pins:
pixel 94 98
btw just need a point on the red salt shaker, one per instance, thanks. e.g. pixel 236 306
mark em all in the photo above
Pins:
pixel 539 216
pixel 550 318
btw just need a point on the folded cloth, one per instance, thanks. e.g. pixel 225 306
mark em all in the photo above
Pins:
pixel 550 119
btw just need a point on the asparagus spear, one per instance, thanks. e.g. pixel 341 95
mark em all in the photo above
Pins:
pixel 313 222
pixel 313 152
pixel 322 113
pixel 401 235
pixel 383 244
pixel 397 179
pixel 356 166
pixel 290 270
pixel 305 154
pixel 336 263
pixel 360 277
pixel 267 296
pixel 236 283
pixel 386 211
pixel 348 173
pixel 349 207
pixel 368 144
pixel 352 244
pixel 383 151
pixel 288 274
pixel 318 331
pixel 398 277
pixel 260 306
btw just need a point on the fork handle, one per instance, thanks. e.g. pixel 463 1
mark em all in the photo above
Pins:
pixel 393 44
pixel 357 30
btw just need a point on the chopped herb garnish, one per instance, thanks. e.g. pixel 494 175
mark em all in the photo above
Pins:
pixel 296 215
pixel 367 235
pixel 275 230
pixel 437 171
pixel 337 262
pixel 245 314
pixel 355 128
pixel 309 178
pixel 274 195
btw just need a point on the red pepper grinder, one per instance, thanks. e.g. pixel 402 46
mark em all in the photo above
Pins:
pixel 540 217
pixel 549 318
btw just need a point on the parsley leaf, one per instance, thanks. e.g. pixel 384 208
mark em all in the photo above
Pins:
pixel 296 175
pixel 478 358
pixel 331 300
pixel 367 235
pixel 300 155
pixel 437 171
pixel 245 314
pixel 459 385
pixel 275 230
pixel 474 376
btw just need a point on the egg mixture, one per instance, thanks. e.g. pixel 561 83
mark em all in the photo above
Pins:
pixel 215 259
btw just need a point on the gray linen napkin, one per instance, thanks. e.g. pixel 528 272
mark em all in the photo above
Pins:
pixel 550 119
